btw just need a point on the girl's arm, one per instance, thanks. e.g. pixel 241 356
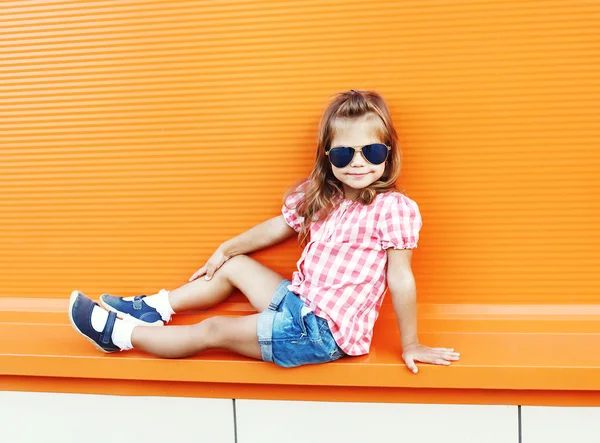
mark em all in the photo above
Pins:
pixel 401 284
pixel 263 235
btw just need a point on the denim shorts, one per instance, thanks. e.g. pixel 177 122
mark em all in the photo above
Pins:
pixel 290 334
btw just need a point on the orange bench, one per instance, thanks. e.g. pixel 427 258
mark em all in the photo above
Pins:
pixel 530 354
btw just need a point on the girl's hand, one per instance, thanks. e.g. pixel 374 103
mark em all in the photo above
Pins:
pixel 214 262
pixel 437 356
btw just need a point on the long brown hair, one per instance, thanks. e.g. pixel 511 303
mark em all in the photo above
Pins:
pixel 322 188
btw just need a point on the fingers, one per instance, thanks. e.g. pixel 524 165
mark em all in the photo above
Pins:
pixel 444 358
pixel 410 364
pixel 437 356
pixel 445 353
pixel 210 270
pixel 198 273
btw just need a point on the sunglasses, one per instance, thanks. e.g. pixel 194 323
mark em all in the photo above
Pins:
pixel 341 156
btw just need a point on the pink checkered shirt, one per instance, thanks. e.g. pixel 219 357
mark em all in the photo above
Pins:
pixel 342 271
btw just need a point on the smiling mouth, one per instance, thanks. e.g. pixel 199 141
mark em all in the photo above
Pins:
pixel 358 175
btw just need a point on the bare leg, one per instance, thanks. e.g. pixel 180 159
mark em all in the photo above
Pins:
pixel 237 334
pixel 256 281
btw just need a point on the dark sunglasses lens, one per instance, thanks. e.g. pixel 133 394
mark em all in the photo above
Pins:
pixel 341 157
pixel 375 153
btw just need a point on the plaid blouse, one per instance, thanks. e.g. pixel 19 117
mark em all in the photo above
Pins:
pixel 342 271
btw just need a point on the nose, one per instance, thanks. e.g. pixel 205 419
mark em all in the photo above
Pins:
pixel 358 159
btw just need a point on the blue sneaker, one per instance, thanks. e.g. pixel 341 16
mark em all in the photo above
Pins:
pixel 80 314
pixel 133 310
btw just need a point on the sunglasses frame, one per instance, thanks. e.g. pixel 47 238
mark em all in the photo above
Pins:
pixel 356 148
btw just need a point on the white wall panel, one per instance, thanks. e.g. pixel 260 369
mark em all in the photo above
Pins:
pixel 559 424
pixel 27 417
pixel 316 422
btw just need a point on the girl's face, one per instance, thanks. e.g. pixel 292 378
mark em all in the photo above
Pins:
pixel 359 173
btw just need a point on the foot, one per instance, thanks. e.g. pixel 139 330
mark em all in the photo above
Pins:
pixel 80 314
pixel 135 310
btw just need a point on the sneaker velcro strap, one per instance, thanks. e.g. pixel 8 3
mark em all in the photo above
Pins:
pixel 137 302
pixel 105 338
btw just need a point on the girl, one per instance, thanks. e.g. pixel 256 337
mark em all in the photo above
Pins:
pixel 358 233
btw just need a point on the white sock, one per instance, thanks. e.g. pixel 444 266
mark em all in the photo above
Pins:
pixel 121 335
pixel 99 317
pixel 160 302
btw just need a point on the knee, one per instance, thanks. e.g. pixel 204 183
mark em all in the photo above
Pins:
pixel 230 266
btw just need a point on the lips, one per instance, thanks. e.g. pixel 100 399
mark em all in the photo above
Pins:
pixel 358 175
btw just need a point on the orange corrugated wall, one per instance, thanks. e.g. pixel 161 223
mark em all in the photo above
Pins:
pixel 135 137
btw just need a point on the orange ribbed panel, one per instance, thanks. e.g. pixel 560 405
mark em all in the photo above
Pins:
pixel 135 137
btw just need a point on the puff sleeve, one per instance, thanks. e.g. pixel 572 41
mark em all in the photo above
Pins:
pixel 289 208
pixel 400 223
